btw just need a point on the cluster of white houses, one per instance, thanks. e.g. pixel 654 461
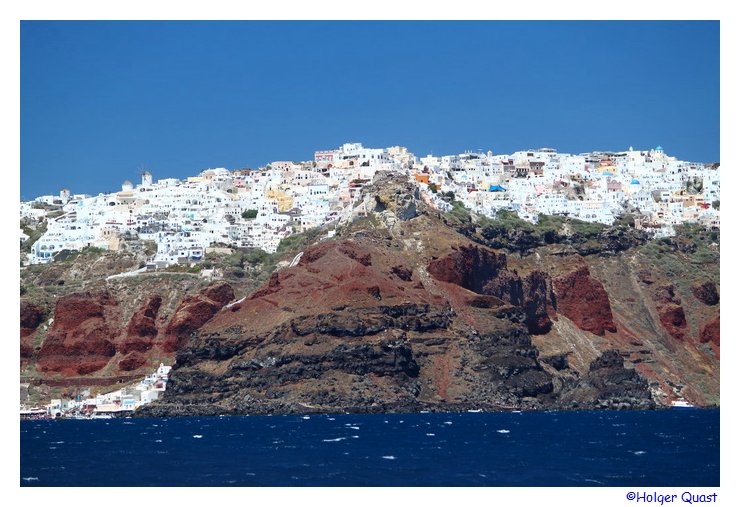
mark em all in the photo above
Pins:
pixel 258 208
pixel 119 402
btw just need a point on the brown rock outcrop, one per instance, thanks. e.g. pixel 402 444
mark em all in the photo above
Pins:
pixel 31 317
pixel 706 293
pixel 142 328
pixel 132 361
pixel 710 333
pixel 26 349
pixel 670 311
pixel 673 319
pixel 347 248
pixel 645 277
pixel 469 266
pixel 537 301
pixel 485 272
pixel 402 273
pixel 584 300
pixel 80 339
pixel 193 312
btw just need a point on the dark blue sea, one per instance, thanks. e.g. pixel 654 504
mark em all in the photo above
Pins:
pixel 678 447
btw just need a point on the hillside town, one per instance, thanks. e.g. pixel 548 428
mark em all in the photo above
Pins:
pixel 258 208
pixel 101 406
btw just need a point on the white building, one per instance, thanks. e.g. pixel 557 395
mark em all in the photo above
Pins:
pixel 184 217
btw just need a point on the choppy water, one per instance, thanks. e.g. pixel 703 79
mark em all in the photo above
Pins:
pixel 652 448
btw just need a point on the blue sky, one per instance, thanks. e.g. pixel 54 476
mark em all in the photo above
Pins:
pixel 100 100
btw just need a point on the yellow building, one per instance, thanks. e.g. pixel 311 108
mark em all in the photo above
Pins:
pixel 284 201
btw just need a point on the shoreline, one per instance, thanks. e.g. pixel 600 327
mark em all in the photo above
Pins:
pixel 379 413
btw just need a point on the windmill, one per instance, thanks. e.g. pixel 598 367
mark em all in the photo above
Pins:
pixel 146 177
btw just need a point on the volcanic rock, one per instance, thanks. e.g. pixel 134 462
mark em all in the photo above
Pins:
pixel 670 311
pixel 485 272
pixel 79 341
pixel 609 385
pixel 710 333
pixel 706 293
pixel 132 361
pixel 399 311
pixel 142 328
pixel 470 266
pixel 584 300
pixel 31 317
pixel 193 312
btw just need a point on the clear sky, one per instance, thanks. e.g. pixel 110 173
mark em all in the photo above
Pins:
pixel 102 100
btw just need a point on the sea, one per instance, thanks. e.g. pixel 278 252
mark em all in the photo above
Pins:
pixel 677 447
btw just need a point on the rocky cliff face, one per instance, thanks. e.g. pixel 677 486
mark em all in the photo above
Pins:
pixel 32 316
pixel 89 333
pixel 141 330
pixel 342 332
pixel 482 271
pixel 405 310
pixel 81 328
pixel 193 312
pixel 669 307
pixel 402 312
pixel 584 300
pixel 79 341
pixel 706 292
pixel 710 333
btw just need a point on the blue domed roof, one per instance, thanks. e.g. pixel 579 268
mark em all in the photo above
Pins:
pixel 635 182
pixel 659 148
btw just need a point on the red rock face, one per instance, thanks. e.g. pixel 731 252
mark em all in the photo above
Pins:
pixel 273 285
pixel 31 317
pixel 670 311
pixel 710 333
pixel 537 297
pixel 346 248
pixel 485 272
pixel 674 320
pixel 470 266
pixel 330 277
pixel 193 312
pixel 584 300
pixel 142 328
pixel 133 361
pixel 220 293
pixel 81 339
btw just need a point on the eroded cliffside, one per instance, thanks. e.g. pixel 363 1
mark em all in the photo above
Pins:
pixel 410 309
pixel 403 312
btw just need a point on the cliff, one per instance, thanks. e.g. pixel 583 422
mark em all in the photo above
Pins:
pixel 83 327
pixel 405 309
